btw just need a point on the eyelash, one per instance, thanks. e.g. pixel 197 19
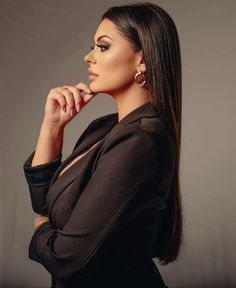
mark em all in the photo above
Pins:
pixel 100 46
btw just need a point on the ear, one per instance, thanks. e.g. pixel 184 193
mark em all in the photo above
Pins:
pixel 140 64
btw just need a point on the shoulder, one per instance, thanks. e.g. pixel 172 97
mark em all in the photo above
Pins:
pixel 158 131
pixel 152 125
pixel 146 137
pixel 149 129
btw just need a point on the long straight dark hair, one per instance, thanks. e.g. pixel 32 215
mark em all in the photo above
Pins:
pixel 150 28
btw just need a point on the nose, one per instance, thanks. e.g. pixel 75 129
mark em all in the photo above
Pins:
pixel 89 58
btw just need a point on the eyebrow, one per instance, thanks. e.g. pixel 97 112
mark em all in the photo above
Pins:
pixel 102 36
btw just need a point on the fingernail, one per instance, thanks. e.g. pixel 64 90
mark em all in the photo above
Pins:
pixel 77 107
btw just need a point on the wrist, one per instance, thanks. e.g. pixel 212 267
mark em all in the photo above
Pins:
pixel 53 128
pixel 53 134
pixel 36 226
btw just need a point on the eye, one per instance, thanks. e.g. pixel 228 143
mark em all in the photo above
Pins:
pixel 101 47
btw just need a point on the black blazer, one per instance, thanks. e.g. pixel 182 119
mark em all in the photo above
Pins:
pixel 105 210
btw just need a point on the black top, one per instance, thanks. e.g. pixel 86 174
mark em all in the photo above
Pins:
pixel 105 210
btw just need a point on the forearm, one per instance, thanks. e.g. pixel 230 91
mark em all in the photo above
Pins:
pixel 49 144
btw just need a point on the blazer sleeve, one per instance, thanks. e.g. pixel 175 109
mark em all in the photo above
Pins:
pixel 39 177
pixel 127 162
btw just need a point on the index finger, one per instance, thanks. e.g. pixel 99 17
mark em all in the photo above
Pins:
pixel 84 87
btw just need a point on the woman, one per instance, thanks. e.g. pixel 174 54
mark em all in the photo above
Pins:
pixel 114 203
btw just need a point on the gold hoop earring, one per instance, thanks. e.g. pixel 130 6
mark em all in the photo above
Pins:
pixel 140 78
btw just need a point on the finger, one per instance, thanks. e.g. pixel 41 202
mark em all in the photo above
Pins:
pixel 90 94
pixel 78 99
pixel 60 88
pixel 84 87
pixel 60 98
pixel 88 97
pixel 70 103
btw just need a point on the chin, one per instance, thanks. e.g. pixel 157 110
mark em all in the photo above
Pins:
pixel 104 87
pixel 96 89
pixel 92 88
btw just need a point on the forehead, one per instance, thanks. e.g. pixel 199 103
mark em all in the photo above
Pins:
pixel 107 27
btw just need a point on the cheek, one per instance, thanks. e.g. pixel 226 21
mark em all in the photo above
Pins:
pixel 118 67
pixel 116 59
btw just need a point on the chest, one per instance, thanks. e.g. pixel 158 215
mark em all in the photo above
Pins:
pixel 77 158
pixel 69 185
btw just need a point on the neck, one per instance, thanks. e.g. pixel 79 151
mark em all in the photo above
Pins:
pixel 130 99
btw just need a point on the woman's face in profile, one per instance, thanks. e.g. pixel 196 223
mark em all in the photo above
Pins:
pixel 112 59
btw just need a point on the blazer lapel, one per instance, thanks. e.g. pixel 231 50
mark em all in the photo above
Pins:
pixel 101 128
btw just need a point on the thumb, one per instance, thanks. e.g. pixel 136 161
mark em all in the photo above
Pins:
pixel 88 97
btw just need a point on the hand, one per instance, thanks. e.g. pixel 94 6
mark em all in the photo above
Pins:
pixel 64 102
pixel 40 220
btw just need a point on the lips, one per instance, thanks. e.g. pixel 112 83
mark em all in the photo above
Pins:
pixel 92 77
pixel 91 73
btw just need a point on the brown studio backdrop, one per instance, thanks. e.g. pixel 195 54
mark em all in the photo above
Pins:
pixel 42 46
